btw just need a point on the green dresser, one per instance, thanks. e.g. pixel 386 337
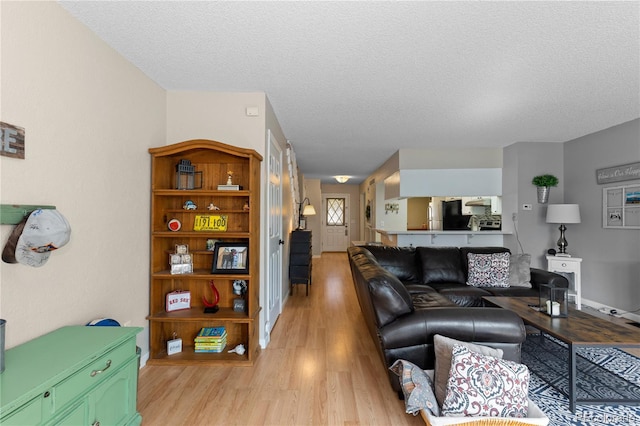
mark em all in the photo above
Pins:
pixel 72 376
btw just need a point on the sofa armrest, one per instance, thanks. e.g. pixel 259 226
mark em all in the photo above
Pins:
pixel 467 324
pixel 541 276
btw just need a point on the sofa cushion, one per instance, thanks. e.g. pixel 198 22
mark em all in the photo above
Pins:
pixel 400 261
pixel 465 295
pixel 440 264
pixel 430 300
pixel 389 296
pixel 488 270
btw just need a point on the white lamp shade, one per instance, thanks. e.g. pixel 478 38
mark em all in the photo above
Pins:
pixel 308 210
pixel 563 213
pixel 342 179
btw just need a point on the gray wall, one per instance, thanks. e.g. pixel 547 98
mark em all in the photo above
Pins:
pixel 523 161
pixel 611 257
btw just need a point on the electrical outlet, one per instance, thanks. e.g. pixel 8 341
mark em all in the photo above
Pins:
pixel 527 207
pixel 127 324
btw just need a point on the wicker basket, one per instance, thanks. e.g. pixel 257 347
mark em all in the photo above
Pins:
pixel 536 417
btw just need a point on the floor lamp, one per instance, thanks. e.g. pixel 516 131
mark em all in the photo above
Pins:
pixel 563 213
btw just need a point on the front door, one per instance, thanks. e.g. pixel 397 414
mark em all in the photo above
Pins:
pixel 274 262
pixel 335 222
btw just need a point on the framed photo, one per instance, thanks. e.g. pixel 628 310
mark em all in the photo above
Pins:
pixel 230 258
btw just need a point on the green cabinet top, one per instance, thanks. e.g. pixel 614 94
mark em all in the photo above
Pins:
pixel 38 364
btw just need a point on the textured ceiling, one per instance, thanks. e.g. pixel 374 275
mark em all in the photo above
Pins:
pixel 353 82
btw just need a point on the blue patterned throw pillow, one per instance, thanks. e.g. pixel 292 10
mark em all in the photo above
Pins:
pixel 481 385
pixel 417 388
pixel 488 270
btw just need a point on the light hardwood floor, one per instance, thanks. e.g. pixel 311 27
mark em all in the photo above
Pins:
pixel 320 368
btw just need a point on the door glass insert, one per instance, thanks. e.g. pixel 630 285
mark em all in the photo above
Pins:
pixel 335 211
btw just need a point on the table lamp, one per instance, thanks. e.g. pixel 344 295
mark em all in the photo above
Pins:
pixel 563 213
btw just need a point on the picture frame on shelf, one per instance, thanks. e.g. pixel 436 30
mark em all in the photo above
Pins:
pixel 230 258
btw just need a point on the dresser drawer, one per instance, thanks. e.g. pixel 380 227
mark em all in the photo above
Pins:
pixel 300 248
pixel 29 414
pixel 299 272
pixel 93 374
pixel 300 258
pixel 301 237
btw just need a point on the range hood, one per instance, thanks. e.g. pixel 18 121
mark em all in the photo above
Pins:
pixel 479 202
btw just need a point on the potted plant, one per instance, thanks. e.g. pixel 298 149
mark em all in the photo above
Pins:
pixel 544 183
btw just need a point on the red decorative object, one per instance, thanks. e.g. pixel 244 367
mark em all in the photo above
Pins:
pixel 211 307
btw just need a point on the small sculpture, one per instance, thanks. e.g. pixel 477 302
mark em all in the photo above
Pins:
pixel 189 205
pixel 212 206
pixel 230 174
pixel 245 207
pixel 240 350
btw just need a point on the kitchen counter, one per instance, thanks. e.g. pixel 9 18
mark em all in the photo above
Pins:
pixel 423 237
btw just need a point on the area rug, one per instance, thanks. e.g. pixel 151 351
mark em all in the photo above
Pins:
pixel 602 373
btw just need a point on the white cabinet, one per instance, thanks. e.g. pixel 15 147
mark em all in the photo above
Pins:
pixel 568 267
pixel 496 205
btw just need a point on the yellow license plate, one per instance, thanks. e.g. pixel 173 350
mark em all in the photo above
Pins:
pixel 210 223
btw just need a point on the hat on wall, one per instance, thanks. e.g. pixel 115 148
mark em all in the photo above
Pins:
pixel 9 252
pixel 44 231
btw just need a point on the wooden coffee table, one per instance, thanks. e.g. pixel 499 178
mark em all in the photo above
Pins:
pixel 579 329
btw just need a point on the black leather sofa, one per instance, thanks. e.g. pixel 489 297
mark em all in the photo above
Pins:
pixel 408 295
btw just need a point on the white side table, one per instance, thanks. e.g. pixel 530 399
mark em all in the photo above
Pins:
pixel 570 268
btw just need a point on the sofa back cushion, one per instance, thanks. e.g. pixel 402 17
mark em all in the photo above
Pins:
pixel 441 264
pixel 388 297
pixel 400 261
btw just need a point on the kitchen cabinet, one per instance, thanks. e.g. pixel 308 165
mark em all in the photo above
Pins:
pixel 74 375
pixel 496 205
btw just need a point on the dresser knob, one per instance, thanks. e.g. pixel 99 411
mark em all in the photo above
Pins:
pixel 47 394
pixel 564 265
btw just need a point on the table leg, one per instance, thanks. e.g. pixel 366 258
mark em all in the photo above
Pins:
pixel 572 378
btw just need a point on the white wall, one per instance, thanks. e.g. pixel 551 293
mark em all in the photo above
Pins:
pixel 222 117
pixel 90 117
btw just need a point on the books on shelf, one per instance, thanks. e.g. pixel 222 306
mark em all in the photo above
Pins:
pixel 211 339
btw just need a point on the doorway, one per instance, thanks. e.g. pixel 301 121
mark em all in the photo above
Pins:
pixel 335 222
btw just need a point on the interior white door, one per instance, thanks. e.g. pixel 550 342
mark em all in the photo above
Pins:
pixel 335 222
pixel 274 280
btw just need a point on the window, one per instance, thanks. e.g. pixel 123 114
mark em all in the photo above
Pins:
pixel 335 211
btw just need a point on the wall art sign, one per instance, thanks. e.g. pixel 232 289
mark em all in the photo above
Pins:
pixel 618 173
pixel 11 140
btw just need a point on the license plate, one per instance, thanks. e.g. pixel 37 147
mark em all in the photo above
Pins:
pixel 210 223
